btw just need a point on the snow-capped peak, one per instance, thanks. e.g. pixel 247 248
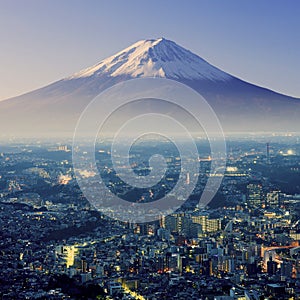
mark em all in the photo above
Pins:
pixel 155 58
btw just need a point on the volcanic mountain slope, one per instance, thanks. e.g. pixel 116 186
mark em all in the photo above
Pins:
pixel 240 106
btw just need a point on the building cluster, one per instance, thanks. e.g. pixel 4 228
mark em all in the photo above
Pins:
pixel 55 245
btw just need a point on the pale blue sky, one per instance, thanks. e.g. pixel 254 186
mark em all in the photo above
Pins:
pixel 44 41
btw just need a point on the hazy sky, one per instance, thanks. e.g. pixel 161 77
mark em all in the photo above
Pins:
pixel 44 41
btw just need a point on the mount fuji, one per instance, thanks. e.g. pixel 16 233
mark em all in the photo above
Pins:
pixel 240 106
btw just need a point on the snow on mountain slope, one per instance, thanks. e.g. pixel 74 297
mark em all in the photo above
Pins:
pixel 155 58
pixel 239 105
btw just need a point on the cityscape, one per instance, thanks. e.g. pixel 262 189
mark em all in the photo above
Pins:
pixel 243 245
pixel 149 150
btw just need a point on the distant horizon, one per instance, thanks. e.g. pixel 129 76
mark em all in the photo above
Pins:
pixel 67 138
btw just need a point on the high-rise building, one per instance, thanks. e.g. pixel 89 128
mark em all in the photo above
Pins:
pixel 207 224
pixel 271 266
pixel 174 222
pixel 83 265
pixel 213 225
pixel 273 199
pixel 202 220
pixel 171 223
pixel 190 229
pixel 207 268
pixel 255 195
pixel 286 269
pixel 160 263
pixel 174 262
